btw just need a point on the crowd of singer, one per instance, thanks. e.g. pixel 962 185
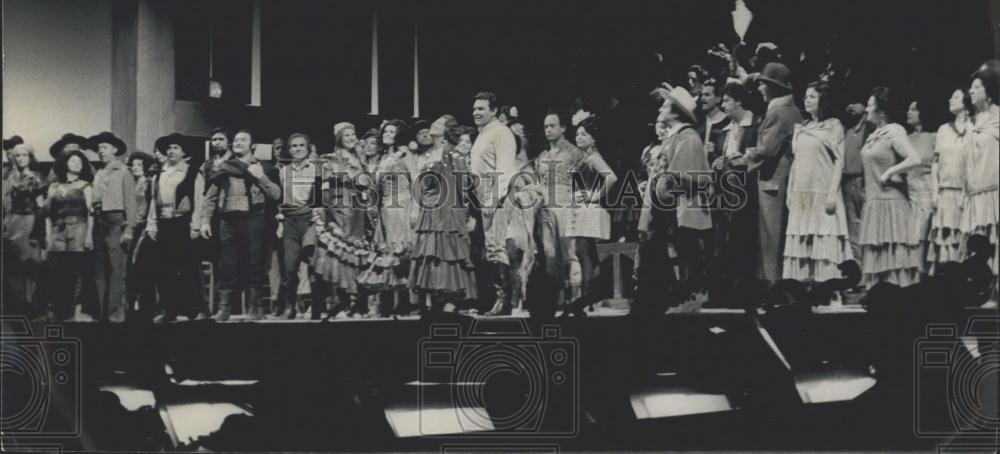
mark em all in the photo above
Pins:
pixel 769 180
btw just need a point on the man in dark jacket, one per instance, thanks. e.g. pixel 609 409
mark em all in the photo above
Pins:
pixel 770 162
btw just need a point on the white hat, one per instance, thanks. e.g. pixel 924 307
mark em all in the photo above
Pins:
pixel 684 100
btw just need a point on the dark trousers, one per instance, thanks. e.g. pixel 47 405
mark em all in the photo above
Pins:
pixel 291 255
pixel 180 280
pixel 140 285
pixel 693 249
pixel 111 260
pixel 66 274
pixel 241 235
pixel 657 275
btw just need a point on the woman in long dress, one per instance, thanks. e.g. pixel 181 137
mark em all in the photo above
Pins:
pixel 982 166
pixel 889 251
pixel 393 236
pixel 948 173
pixel 441 269
pixel 341 250
pixel 919 181
pixel 816 239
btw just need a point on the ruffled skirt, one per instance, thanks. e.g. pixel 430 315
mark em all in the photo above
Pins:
pixel 888 250
pixel 440 261
pixel 979 217
pixel 340 258
pixel 815 242
pixel 945 236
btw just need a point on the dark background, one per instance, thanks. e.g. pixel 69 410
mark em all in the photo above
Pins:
pixel 541 54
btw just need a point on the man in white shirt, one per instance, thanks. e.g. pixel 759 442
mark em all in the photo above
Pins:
pixel 493 163
pixel 174 222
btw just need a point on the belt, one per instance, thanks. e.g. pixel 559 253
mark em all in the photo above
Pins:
pixel 113 212
pixel 68 220
pixel 170 213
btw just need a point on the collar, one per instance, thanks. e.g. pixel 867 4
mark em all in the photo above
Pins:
pixel 746 121
pixel 223 157
pixel 720 115
pixel 179 167
pixel 489 125
pixel 115 164
pixel 674 129
pixel 780 101
pixel 301 165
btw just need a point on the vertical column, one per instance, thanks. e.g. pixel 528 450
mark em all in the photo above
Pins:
pixel 142 76
pixel 255 55
pixel 374 78
pixel 416 69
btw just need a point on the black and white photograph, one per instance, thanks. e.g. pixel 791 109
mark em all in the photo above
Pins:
pixel 519 226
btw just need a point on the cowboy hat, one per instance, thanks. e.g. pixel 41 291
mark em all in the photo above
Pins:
pixel 680 97
pixel 110 139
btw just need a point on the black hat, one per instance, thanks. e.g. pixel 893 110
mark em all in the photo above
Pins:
pixel 56 149
pixel 777 74
pixel 108 138
pixel 410 134
pixel 192 146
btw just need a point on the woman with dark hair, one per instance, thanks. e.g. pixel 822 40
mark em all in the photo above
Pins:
pixel 919 183
pixel 889 252
pixel 139 270
pixel 393 236
pixel 982 166
pixel 948 175
pixel 69 230
pixel 23 191
pixel 589 220
pixel 342 252
pixel 816 240
pixel 441 268
pixel 461 139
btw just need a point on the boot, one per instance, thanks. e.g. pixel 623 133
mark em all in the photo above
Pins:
pixel 225 299
pixel 254 309
pixel 501 284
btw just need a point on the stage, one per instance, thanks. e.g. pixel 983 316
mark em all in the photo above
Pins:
pixel 718 379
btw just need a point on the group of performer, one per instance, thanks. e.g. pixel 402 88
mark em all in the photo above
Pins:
pixel 407 218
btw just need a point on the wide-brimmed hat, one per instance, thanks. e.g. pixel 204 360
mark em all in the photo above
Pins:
pixel 777 74
pixel 66 139
pixel 680 97
pixel 110 139
pixel 186 143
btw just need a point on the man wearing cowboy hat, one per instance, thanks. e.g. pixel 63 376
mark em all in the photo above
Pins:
pixel 675 218
pixel 770 162
pixel 114 204
pixel 174 222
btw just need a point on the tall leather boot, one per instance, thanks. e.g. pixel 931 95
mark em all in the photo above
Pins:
pixel 501 284
pixel 225 301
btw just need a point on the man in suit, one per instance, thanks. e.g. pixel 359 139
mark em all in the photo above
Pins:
pixel 769 163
